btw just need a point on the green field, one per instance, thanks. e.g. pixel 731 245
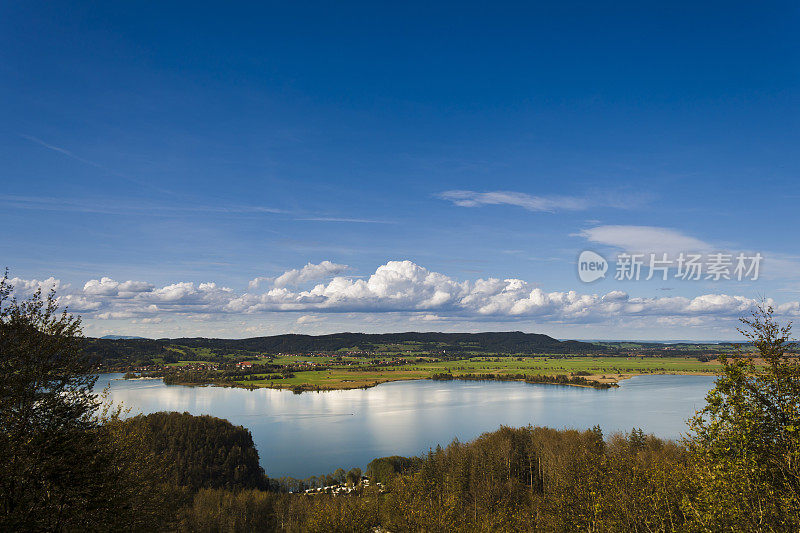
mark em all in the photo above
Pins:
pixel 603 369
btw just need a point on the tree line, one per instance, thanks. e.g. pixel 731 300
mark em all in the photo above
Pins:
pixel 557 379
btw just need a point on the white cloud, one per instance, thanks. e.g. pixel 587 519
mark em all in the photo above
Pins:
pixel 115 315
pixel 256 282
pixel 77 303
pixel 519 199
pixel 29 286
pixel 310 272
pixel 614 199
pixel 396 287
pixel 187 293
pixel 427 318
pixel 108 287
pixel 148 320
pixel 645 239
pixel 309 319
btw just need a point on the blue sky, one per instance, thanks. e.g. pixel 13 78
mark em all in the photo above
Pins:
pixel 187 145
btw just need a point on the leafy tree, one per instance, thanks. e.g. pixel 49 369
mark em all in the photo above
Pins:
pixel 745 443
pixel 49 456
pixel 383 468
pixel 339 475
pixel 63 464
pixel 46 410
pixel 354 476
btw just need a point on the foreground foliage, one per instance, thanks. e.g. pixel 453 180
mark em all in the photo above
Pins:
pixel 746 442
pixel 55 468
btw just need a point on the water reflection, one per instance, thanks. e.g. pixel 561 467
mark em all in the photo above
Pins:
pixel 313 433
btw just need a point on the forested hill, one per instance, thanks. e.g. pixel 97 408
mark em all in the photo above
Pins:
pixel 116 351
pixel 499 342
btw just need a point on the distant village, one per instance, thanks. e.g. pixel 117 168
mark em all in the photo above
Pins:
pixel 343 488
pixel 299 365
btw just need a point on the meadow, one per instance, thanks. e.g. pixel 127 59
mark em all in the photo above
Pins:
pixel 349 373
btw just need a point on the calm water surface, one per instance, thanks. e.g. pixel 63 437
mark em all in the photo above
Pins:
pixel 316 432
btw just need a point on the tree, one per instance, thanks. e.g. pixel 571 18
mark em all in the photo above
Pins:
pixel 61 466
pixel 745 444
pixel 46 411
pixel 354 476
pixel 195 451
pixel 339 475
pixel 243 511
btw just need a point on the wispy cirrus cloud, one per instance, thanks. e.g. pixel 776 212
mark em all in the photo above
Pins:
pixel 548 204
pixel 72 155
pixel 518 199
pixel 115 206
pixel 344 219
pixel 60 150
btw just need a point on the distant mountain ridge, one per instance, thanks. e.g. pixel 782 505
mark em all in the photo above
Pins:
pixel 122 337
pixel 511 342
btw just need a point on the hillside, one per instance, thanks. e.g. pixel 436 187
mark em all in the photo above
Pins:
pixel 514 342
pixel 129 351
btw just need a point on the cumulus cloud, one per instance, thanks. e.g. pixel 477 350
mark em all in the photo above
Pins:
pixel 396 287
pixel 78 303
pixel 257 282
pixel 310 272
pixel 108 287
pixel 29 286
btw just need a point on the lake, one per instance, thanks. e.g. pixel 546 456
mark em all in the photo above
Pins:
pixel 316 432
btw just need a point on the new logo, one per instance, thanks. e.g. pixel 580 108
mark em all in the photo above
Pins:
pixel 591 266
